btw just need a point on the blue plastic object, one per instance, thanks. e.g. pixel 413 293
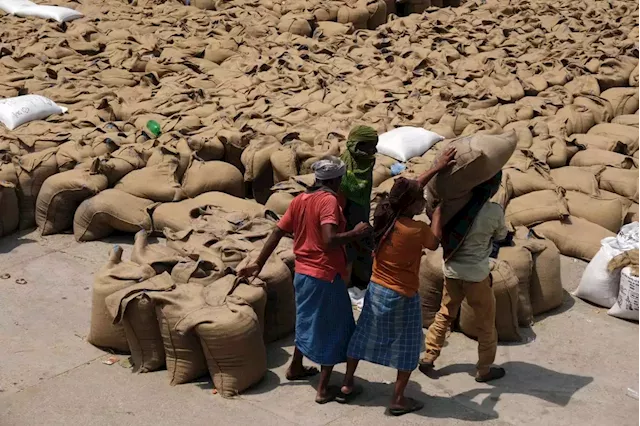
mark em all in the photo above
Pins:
pixel 397 168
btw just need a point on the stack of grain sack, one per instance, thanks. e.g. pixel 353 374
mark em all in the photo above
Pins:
pixel 249 95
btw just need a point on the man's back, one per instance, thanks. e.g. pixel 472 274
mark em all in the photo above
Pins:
pixel 471 261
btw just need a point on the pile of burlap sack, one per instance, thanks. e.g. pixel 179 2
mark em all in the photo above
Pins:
pixel 250 94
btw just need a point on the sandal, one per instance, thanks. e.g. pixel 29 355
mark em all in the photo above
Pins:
pixel 494 373
pixel 306 373
pixel 413 406
pixel 332 393
pixel 345 398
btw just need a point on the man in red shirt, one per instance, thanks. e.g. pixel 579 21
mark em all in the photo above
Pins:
pixel 324 319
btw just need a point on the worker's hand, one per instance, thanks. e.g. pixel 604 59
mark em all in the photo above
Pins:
pixel 363 229
pixel 446 159
pixel 251 270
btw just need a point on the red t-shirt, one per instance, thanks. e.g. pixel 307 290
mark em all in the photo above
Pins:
pixel 304 219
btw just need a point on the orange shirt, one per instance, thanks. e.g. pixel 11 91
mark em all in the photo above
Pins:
pixel 397 262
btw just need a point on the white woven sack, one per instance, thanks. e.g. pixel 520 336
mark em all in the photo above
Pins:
pixel 598 285
pixel 23 109
pixel 626 307
pixel 404 143
pixel 13 6
pixel 60 14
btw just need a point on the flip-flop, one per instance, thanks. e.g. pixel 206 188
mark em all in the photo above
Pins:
pixel 306 373
pixel 413 407
pixel 332 393
pixel 345 398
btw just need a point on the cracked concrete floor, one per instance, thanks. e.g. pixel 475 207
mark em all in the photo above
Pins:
pixel 575 369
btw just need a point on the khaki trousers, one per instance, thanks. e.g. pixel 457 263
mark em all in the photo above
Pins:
pixel 480 298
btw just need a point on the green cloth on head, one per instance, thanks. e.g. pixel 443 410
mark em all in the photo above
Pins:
pixel 358 181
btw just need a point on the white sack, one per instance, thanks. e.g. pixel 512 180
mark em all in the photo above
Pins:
pixel 13 6
pixel 598 285
pixel 23 109
pixel 404 143
pixel 60 14
pixel 626 307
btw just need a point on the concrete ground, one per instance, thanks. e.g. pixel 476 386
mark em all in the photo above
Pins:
pixel 575 368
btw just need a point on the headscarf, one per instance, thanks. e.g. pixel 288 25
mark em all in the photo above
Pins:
pixel 358 181
pixel 403 194
pixel 328 168
pixel 456 230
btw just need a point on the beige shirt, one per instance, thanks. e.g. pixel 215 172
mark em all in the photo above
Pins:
pixel 471 261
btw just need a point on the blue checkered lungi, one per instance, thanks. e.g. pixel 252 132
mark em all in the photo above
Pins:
pixel 324 319
pixel 389 330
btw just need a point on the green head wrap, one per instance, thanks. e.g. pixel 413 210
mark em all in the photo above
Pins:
pixel 358 181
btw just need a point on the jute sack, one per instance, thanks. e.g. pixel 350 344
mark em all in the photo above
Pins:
pixel 31 171
pixel 609 214
pixel 122 161
pixel 160 257
pixel 73 153
pixel 332 29
pixel 478 159
pixel 628 135
pixel 284 164
pixel 519 258
pixel 172 151
pixel 431 285
pixel 549 149
pixel 623 100
pixel 627 120
pixel 536 207
pixel 135 311
pixel 232 251
pixel 633 214
pixel 183 353
pixel 111 210
pixel 112 277
pixel 295 23
pixel 280 312
pixel 545 289
pixel 9 210
pixel 358 16
pixel 577 118
pixel 602 142
pixel 581 179
pixel 599 157
pixel 207 176
pixel 177 216
pixel 600 108
pixel 230 334
pixel 380 174
pixel 534 178
pixel 574 237
pixel 279 202
pixel 158 182
pixel 505 291
pixel 505 192
pixel 622 182
pixel 615 72
pixel 62 193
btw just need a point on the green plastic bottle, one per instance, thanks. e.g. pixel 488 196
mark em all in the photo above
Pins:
pixel 154 127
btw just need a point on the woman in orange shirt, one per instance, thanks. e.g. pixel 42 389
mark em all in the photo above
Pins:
pixel 389 330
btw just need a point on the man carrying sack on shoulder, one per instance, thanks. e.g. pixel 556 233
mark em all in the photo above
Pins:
pixel 467 241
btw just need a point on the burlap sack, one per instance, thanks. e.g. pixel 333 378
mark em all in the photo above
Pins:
pixel 609 214
pixel 545 291
pixel 280 312
pixel 627 120
pixel 208 176
pixel 158 182
pixel 549 149
pixel 505 290
pixel 577 118
pixel 284 164
pixel 633 214
pixel 111 210
pixel 229 330
pixel 622 182
pixel 534 178
pixel 232 251
pixel 615 72
pixel 295 24
pixel 592 141
pixel 505 192
pixel 9 210
pixel 599 157
pixel 279 202
pixel 431 285
pixel 31 171
pixel 332 29
pixel 171 151
pixel 122 161
pixel 160 257
pixel 623 100
pixel 204 271
pixel 112 277
pixel 380 174
pixel 358 16
pixel 478 159
pixel 177 216
pixel 600 108
pixel 518 257
pixel 184 357
pixel 62 193
pixel 574 237
pixel 581 179
pixel 73 153
pixel 583 85
pixel 536 207
pixel 628 135
pixel 135 311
